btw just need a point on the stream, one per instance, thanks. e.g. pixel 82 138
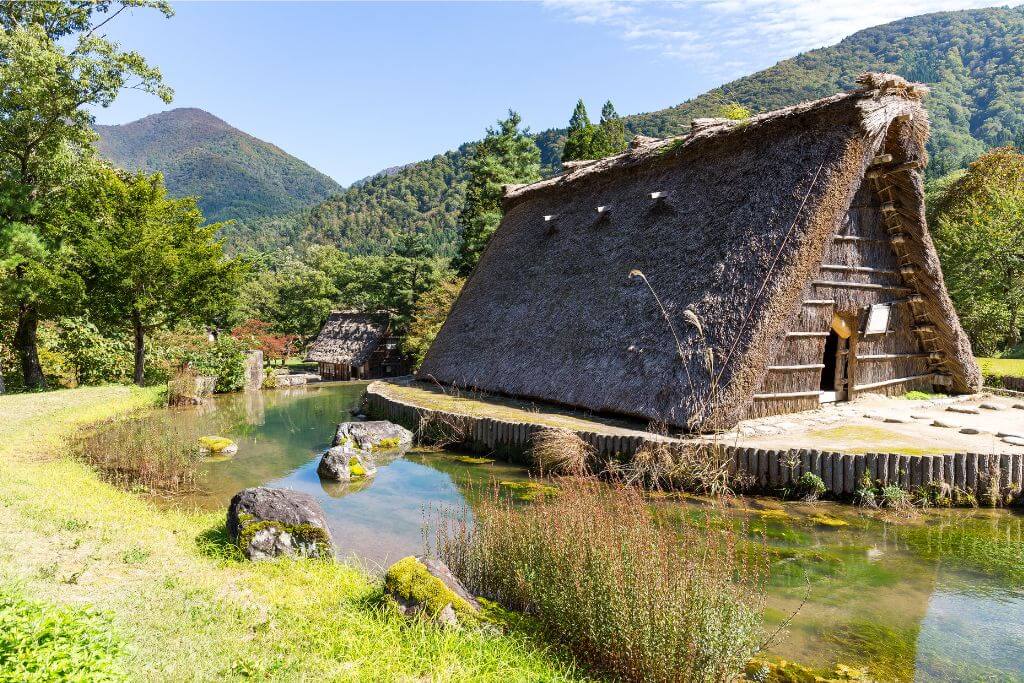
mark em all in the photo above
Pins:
pixel 937 596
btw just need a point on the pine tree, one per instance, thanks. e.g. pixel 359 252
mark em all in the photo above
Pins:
pixel 579 140
pixel 506 155
pixel 610 136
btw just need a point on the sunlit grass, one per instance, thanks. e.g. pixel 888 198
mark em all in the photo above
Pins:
pixel 186 607
pixel 1004 367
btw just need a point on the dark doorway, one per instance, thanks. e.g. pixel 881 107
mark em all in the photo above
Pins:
pixel 828 373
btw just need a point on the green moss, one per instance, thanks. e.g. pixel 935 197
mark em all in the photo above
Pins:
pixel 314 540
pixel 410 581
pixel 470 460
pixel 389 444
pixel 355 468
pixel 821 519
pixel 775 670
pixel 528 490
pixel 921 395
pixel 215 444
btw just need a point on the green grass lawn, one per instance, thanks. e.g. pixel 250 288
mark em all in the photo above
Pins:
pixel 166 594
pixel 1005 367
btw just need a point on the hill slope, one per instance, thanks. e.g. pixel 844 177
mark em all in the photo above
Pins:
pixel 235 174
pixel 973 60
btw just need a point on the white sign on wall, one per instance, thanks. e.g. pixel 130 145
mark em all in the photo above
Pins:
pixel 878 319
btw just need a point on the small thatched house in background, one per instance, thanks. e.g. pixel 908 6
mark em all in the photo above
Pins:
pixel 354 345
pixel 747 268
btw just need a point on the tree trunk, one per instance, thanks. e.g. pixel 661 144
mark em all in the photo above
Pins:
pixel 1 380
pixel 27 346
pixel 140 348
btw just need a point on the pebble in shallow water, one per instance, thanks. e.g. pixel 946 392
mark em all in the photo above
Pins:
pixel 970 430
pixel 992 406
pixel 1014 440
pixel 944 424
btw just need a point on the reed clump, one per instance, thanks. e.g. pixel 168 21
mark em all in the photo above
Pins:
pixel 561 452
pixel 151 454
pixel 638 597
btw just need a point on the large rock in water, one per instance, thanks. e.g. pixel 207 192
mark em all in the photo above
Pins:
pixel 344 463
pixel 267 523
pixel 373 435
pixel 425 587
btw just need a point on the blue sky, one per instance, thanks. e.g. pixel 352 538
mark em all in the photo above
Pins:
pixel 352 88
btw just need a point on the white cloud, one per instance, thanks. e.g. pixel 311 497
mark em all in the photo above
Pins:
pixel 728 38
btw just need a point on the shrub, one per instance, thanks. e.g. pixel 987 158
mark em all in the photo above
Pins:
pixel 639 598
pixel 43 642
pixel 153 453
pixel 810 486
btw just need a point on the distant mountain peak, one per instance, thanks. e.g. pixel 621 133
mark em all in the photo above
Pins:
pixel 236 175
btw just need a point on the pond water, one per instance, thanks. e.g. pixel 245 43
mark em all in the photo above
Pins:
pixel 936 597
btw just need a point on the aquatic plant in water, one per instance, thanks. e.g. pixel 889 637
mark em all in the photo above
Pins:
pixel 151 453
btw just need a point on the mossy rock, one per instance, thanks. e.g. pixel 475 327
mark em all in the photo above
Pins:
pixel 217 445
pixel 389 444
pixel 266 523
pixel 527 491
pixel 343 463
pixel 426 588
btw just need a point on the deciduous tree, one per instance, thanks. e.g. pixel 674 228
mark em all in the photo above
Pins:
pixel 153 263
pixel 54 65
pixel 978 223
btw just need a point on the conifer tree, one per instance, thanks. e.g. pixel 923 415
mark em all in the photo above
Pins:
pixel 580 139
pixel 610 136
pixel 506 155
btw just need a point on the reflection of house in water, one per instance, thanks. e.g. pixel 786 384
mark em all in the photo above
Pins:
pixel 747 268
pixel 353 345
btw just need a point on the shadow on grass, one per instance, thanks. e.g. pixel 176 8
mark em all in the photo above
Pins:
pixel 215 544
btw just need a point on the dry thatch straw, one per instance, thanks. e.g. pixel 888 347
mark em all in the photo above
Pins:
pixel 745 214
pixel 348 338
pixel 692 466
pixel 562 452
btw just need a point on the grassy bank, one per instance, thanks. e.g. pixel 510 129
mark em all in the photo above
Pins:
pixel 175 603
pixel 1002 367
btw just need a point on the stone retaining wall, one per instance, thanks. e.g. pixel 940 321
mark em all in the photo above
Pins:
pixel 990 478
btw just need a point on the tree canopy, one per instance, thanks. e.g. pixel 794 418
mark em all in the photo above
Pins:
pixel 978 223
pixel 507 155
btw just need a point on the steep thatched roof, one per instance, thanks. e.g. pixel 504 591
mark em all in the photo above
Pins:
pixel 552 312
pixel 347 338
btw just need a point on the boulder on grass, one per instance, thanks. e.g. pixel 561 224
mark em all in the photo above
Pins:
pixel 425 588
pixel 267 523
pixel 345 463
pixel 373 435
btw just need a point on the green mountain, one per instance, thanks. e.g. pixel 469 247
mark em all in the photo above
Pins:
pixel 972 60
pixel 235 174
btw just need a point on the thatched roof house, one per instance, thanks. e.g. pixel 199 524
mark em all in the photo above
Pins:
pixel 354 345
pixel 787 258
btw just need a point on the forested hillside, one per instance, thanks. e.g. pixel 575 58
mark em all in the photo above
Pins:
pixel 235 174
pixel 973 61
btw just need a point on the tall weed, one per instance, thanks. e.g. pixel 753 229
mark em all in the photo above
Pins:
pixel 151 453
pixel 637 598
